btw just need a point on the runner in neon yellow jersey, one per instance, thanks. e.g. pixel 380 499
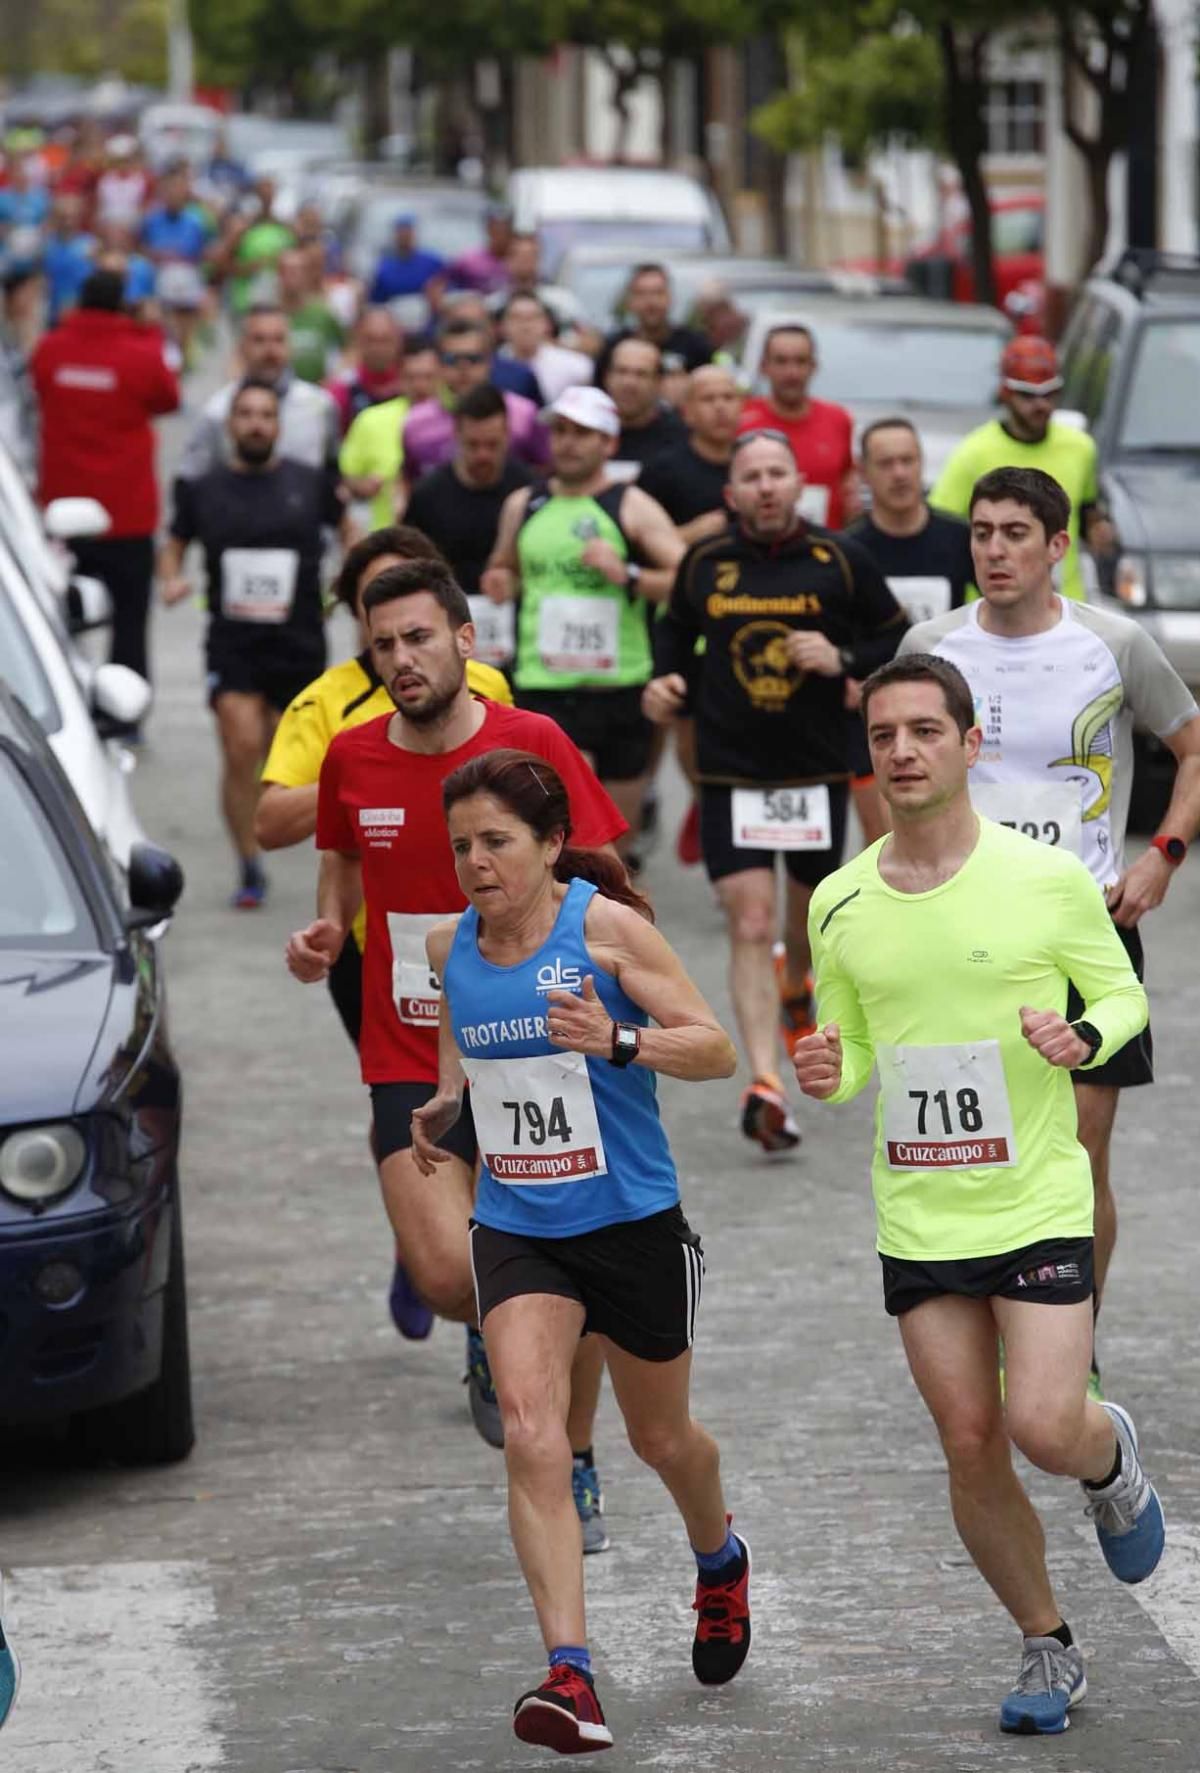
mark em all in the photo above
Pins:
pixel 943 955
pixel 1027 435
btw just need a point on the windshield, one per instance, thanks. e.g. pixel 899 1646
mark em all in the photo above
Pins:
pixel 21 669
pixel 1162 408
pixel 645 237
pixel 41 906
pixel 898 365
pixel 449 230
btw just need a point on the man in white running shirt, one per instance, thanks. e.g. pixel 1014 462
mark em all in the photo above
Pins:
pixel 1058 688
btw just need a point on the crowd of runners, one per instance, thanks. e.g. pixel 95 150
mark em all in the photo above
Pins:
pixel 563 558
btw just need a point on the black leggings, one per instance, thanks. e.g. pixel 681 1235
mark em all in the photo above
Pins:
pixel 126 566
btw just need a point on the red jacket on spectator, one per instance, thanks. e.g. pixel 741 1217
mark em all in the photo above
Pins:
pixel 100 379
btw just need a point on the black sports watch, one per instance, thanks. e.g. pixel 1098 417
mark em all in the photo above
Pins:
pixel 1092 1036
pixel 626 1043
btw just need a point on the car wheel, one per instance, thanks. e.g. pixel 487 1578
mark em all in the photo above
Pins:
pixel 155 1427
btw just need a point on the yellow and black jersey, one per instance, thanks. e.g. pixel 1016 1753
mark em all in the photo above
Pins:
pixel 759 717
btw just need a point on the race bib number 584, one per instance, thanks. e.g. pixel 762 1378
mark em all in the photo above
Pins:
pixel 945 1108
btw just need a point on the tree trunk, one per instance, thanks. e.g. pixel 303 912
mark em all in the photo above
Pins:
pixel 967 139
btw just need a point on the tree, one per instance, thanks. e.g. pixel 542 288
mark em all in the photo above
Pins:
pixel 1099 45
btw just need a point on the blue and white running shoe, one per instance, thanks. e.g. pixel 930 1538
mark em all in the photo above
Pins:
pixel 1051 1681
pixel 1127 1514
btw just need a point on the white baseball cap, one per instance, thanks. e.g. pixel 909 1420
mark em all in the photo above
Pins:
pixel 590 407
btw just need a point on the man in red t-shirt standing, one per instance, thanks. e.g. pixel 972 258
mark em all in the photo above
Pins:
pixel 382 833
pixel 101 379
pixel 821 434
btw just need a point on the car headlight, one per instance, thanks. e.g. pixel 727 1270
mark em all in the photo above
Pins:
pixel 1176 581
pixel 1130 581
pixel 39 1163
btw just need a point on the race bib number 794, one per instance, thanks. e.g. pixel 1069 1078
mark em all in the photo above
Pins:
pixel 535 1119
pixel 945 1108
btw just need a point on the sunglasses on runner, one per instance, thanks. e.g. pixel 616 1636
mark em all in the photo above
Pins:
pixel 453 358
pixel 1036 390
pixel 762 435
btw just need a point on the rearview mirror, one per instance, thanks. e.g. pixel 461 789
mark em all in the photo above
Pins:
pixel 155 885
pixel 75 520
pixel 119 698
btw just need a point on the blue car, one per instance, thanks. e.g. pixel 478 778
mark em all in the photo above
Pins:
pixel 93 1298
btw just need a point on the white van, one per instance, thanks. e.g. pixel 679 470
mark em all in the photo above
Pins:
pixel 648 209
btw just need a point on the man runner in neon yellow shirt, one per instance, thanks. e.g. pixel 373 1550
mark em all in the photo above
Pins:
pixel 1026 435
pixel 942 956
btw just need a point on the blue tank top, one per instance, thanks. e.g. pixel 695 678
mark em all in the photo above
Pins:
pixel 568 1143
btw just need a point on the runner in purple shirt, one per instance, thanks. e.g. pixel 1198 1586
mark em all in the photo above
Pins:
pixel 486 268
pixel 466 359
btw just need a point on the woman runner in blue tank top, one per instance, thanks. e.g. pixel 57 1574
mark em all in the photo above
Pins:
pixel 560 1002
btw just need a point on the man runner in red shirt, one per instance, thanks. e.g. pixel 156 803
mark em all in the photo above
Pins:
pixel 383 838
pixel 821 433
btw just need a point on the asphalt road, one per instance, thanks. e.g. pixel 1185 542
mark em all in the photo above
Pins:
pixel 327 1585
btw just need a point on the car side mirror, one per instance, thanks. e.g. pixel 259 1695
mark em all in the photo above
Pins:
pixel 155 884
pixel 75 520
pixel 119 699
pixel 88 604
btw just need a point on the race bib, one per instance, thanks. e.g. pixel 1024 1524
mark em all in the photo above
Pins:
pixel 535 1119
pixel 579 634
pixel 782 818
pixel 945 1108
pixel 416 989
pixel 921 598
pixel 495 630
pixel 258 584
pixel 813 503
pixel 1050 812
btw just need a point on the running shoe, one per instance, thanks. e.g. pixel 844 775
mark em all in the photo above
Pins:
pixel 410 1314
pixel 797 1012
pixel 589 1506
pixel 687 844
pixel 1127 1514
pixel 722 1640
pixel 563 1713
pixel 1051 1681
pixel 252 892
pixel 481 1393
pixel 10 1678
pixel 766 1117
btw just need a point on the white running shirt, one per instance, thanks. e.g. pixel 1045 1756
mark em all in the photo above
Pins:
pixel 1057 711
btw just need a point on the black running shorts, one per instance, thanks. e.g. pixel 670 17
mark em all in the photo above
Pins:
pixel 639 1282
pixel 272 666
pixel 345 987
pixel 1056 1271
pixel 392 1107
pixel 606 723
pixel 1133 1063
pixel 722 856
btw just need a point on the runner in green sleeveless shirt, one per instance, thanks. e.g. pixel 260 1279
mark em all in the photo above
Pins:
pixel 585 557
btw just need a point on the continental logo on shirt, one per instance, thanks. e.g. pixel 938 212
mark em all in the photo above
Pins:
pixel 759 654
pixel 803 604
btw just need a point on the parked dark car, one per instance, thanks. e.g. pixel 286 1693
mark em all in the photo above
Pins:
pixel 93 1299
pixel 1131 369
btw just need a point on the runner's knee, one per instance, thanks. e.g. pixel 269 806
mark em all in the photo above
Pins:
pixel 659 1444
pixel 1048 1434
pixel 752 923
pixel 973 1441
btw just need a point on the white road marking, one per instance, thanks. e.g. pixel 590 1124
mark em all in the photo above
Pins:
pixel 1171 1597
pixel 112 1679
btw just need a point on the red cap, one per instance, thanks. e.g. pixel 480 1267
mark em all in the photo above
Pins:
pixel 1030 366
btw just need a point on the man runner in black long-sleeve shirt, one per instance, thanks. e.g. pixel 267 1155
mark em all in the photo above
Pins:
pixel 784 613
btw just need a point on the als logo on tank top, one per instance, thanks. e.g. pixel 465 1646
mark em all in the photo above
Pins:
pixel 554 976
pixel 585 529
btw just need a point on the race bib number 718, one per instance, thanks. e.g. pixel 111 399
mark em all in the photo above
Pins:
pixel 945 1108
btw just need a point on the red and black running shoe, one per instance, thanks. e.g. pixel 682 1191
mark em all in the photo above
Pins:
pixel 722 1640
pixel 563 1713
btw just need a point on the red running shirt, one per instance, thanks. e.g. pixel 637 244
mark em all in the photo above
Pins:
pixel 823 444
pixel 385 805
